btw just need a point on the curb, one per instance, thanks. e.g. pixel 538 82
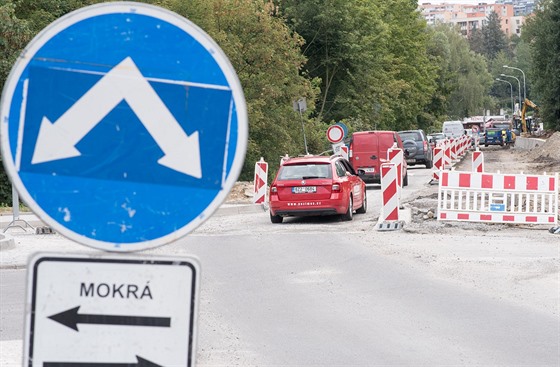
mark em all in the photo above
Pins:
pixel 233 209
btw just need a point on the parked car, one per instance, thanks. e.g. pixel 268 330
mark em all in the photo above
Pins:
pixel 316 185
pixel 368 150
pixel 435 138
pixel 416 144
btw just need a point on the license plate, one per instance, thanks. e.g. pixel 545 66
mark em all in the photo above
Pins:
pixel 369 170
pixel 411 161
pixel 304 189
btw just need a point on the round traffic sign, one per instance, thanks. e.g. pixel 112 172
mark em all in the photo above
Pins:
pixel 335 134
pixel 344 127
pixel 124 126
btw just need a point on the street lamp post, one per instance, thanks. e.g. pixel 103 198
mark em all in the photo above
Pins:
pixel 510 92
pixel 518 87
pixel 524 84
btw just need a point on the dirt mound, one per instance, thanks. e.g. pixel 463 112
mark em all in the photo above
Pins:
pixel 550 150
pixel 241 193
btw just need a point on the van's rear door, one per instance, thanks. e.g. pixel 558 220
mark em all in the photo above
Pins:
pixel 365 152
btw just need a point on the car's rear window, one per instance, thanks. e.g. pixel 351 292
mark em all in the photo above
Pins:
pixel 493 132
pixel 412 135
pixel 305 171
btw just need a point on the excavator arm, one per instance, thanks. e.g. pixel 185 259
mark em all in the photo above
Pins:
pixel 523 111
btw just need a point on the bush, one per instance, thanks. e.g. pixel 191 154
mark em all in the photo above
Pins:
pixel 5 187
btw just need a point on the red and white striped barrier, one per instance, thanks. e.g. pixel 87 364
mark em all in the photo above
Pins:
pixel 396 155
pixel 261 177
pixel 498 198
pixel 438 163
pixel 459 148
pixel 447 155
pixel 477 161
pixel 389 218
pixel 453 150
pixel 463 142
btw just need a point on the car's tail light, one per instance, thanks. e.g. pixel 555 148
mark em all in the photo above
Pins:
pixel 336 187
pixel 425 146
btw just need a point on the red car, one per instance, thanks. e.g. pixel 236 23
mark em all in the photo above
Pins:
pixel 316 185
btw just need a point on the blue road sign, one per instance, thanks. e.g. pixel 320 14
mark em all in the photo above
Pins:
pixel 123 126
pixel 344 128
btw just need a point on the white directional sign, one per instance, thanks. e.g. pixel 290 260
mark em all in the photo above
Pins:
pixel 111 311
pixel 124 126
pixel 57 140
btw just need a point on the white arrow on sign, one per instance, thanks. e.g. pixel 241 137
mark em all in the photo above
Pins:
pixel 124 82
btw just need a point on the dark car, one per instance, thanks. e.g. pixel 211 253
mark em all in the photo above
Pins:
pixel 435 138
pixel 316 185
pixel 417 147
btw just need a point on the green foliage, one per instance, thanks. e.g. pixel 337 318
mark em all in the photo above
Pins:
pixel 5 187
pixel 14 35
pixel 371 58
pixel 463 80
pixel 490 40
pixel 266 56
pixel 542 33
pixel 372 64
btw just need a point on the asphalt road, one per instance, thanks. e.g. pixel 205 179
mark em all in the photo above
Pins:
pixel 317 292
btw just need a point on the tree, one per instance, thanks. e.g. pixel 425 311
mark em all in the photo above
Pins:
pixel 490 40
pixel 267 58
pixel 463 81
pixel 14 35
pixel 370 57
pixel 494 38
pixel 542 33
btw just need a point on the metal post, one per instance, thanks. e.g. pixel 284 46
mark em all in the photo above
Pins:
pixel 510 93
pixel 15 211
pixel 524 84
pixel 518 87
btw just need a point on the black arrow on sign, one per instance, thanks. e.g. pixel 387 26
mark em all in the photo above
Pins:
pixel 72 318
pixel 140 363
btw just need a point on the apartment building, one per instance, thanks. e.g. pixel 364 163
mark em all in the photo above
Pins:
pixel 521 7
pixel 470 17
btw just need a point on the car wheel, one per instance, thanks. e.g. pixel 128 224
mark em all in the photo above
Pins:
pixel 276 218
pixel 350 212
pixel 405 180
pixel 363 208
pixel 429 164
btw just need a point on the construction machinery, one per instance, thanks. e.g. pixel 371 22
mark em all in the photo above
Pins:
pixel 520 122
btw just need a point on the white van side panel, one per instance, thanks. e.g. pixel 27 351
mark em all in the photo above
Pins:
pixel 453 129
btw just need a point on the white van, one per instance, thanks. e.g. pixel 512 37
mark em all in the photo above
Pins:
pixel 453 129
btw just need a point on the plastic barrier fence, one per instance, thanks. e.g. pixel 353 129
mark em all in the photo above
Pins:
pixel 389 218
pixel 498 198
